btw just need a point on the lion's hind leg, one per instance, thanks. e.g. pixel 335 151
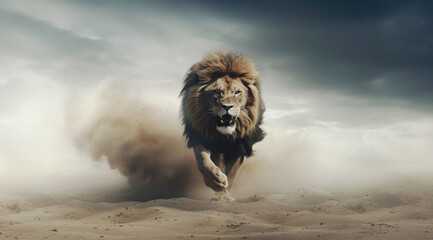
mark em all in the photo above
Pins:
pixel 232 169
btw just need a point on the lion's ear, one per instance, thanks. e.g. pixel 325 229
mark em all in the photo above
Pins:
pixel 191 79
pixel 251 83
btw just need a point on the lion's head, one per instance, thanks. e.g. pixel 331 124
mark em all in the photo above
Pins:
pixel 221 97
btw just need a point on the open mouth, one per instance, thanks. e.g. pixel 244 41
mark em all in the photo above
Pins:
pixel 226 120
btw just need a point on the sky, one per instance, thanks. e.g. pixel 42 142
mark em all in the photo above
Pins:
pixel 347 85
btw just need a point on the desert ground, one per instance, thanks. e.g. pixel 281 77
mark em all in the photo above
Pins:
pixel 304 213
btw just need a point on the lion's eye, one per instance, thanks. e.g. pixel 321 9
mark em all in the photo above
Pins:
pixel 237 93
pixel 216 92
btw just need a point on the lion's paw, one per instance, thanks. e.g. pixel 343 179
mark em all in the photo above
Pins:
pixel 215 178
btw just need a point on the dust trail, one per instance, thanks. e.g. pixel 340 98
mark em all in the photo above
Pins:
pixel 141 141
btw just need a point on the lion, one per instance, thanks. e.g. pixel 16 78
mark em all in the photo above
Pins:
pixel 222 111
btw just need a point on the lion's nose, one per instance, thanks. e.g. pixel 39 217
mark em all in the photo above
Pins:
pixel 227 106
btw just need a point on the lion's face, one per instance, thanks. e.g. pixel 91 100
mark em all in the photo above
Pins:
pixel 226 98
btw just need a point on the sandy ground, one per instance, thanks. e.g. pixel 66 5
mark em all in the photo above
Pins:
pixel 301 214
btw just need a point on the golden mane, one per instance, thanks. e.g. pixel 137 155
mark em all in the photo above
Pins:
pixel 214 66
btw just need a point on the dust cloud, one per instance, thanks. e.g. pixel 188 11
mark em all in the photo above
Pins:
pixel 142 142
pixel 141 137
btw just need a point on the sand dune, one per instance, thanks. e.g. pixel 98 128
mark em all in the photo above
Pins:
pixel 302 214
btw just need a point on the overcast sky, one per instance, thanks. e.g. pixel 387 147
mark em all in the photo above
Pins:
pixel 351 79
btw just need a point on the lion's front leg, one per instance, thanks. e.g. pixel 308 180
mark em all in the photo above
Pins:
pixel 212 174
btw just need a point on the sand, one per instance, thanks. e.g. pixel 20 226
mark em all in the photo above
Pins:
pixel 302 214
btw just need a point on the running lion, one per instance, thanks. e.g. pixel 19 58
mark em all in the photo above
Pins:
pixel 222 112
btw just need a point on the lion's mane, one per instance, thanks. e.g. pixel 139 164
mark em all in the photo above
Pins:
pixel 200 124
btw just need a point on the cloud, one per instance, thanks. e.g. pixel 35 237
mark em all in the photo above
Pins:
pixel 339 47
